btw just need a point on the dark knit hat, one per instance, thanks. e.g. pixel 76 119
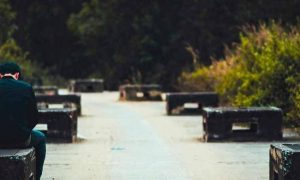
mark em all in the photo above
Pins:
pixel 9 67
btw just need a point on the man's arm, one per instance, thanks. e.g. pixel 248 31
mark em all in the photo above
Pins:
pixel 33 111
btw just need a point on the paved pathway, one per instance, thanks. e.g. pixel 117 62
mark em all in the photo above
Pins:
pixel 137 141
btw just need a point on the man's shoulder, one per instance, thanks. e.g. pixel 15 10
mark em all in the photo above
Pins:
pixel 24 84
pixel 16 83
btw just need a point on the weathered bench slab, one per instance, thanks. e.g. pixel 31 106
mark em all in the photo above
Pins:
pixel 285 162
pixel 45 90
pixel 263 123
pixel 68 101
pixel 201 99
pixel 140 92
pixel 86 85
pixel 17 164
pixel 61 124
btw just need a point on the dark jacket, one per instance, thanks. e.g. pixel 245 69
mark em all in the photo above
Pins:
pixel 18 110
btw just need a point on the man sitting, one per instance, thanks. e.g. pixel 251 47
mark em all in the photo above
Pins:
pixel 18 114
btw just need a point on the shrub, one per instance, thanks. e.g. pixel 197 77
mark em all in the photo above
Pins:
pixel 204 78
pixel 10 51
pixel 263 70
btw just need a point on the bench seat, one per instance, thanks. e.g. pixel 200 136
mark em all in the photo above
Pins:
pixel 68 100
pixel 17 164
pixel 86 85
pixel 265 123
pixel 140 92
pixel 45 90
pixel 61 124
pixel 202 99
pixel 284 161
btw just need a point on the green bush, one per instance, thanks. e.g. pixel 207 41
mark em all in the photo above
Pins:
pixel 7 17
pixel 264 71
pixel 10 51
pixel 205 78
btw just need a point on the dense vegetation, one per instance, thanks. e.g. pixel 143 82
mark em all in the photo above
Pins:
pixel 263 69
pixel 156 41
pixel 9 48
pixel 139 41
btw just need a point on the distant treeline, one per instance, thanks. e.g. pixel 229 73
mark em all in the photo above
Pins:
pixel 132 40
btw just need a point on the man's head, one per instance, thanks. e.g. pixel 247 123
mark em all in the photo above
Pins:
pixel 10 69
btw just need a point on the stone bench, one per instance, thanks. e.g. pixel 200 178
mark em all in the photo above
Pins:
pixel 45 90
pixel 17 164
pixel 254 123
pixel 86 85
pixel 140 92
pixel 284 162
pixel 67 100
pixel 178 100
pixel 61 124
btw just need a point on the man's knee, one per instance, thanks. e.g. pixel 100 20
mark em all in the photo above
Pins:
pixel 38 136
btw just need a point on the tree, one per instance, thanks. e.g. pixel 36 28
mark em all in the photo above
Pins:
pixel 154 41
pixel 7 17
pixel 9 48
pixel 42 31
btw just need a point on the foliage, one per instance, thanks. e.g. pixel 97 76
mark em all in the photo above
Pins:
pixel 264 70
pixel 151 40
pixel 10 51
pixel 6 20
pixel 42 31
pixel 9 48
pixel 205 78
pixel 122 38
pixel 140 41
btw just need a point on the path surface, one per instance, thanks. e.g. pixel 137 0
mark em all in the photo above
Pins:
pixel 137 141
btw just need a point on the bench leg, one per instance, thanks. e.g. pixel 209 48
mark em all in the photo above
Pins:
pixel 269 131
pixel 215 130
pixel 169 108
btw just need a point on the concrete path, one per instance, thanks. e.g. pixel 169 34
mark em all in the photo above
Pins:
pixel 137 141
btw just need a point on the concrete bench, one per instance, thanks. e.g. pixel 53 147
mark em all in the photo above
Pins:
pixel 17 164
pixel 181 100
pixel 67 100
pixel 45 90
pixel 61 124
pixel 284 162
pixel 253 123
pixel 140 92
pixel 86 85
